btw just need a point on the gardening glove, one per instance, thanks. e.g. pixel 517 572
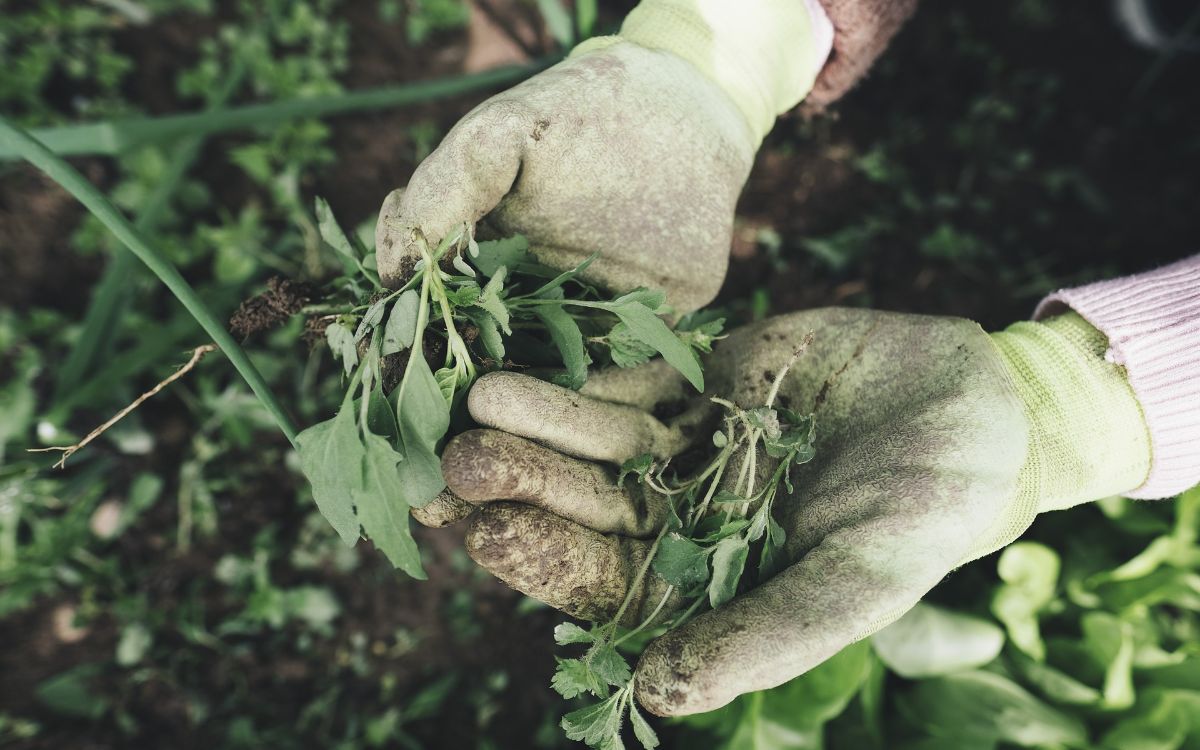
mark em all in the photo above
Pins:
pixel 935 444
pixel 862 31
pixel 635 147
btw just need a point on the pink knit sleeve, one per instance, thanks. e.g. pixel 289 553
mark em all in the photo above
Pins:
pixel 1152 321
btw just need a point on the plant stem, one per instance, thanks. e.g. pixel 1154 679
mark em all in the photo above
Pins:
pixel 70 180
pixel 110 138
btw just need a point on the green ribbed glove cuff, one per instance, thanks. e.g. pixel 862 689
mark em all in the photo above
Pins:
pixel 1087 435
pixel 761 53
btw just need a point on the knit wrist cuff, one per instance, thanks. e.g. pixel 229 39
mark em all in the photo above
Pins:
pixel 1152 324
pixel 764 54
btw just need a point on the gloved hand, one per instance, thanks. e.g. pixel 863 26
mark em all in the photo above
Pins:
pixel 936 444
pixel 635 147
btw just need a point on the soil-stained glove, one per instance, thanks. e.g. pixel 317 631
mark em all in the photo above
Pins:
pixel 635 147
pixel 936 444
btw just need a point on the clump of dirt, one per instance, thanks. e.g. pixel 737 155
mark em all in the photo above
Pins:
pixel 262 312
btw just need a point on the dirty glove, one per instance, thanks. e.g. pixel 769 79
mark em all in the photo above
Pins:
pixel 635 147
pixel 936 444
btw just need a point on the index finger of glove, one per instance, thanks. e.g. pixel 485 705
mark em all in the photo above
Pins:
pixel 459 183
pixel 856 581
pixel 571 422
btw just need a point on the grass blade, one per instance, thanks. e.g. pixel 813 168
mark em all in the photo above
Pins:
pixel 20 142
pixel 109 138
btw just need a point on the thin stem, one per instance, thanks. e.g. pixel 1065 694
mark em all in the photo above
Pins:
pixel 641 575
pixel 114 137
pixel 35 153
pixel 661 603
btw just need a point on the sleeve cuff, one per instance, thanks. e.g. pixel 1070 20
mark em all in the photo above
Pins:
pixel 1152 321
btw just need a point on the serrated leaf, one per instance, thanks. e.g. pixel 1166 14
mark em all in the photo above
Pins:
pixel 495 254
pixel 681 562
pixel 641 728
pixel 649 329
pixel 608 664
pixel 626 349
pixel 382 508
pixel 568 632
pixel 464 295
pixel 573 678
pixel 728 562
pixel 565 334
pixel 341 343
pixel 595 724
pixel 401 326
pixel 489 299
pixel 331 456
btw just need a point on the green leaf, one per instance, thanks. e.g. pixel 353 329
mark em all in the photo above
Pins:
pixel 574 677
pixel 489 334
pixel 713 528
pixel 983 706
pixel 568 632
pixel 341 343
pixel 772 558
pixel 626 349
pixel 929 641
pixel 1110 640
pixel 790 717
pixel 551 289
pixel 648 328
pixel 1161 725
pixel 641 728
pixel 1030 574
pixel 371 318
pixel 595 724
pixel 1052 683
pixel 490 300
pixel 331 455
pixel 493 255
pixel 639 466
pixel 558 21
pixel 382 507
pixel 728 562
pixel 70 693
pixel 331 232
pixel 565 334
pixel 681 562
pixel 424 416
pixel 401 327
pixel 609 665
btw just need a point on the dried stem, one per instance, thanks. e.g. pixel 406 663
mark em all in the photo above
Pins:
pixel 70 450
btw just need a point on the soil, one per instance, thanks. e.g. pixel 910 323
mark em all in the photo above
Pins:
pixel 1134 148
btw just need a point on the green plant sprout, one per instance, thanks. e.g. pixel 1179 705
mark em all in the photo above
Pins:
pixel 468 306
pixel 700 552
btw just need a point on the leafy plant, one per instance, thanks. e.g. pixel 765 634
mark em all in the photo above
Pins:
pixel 379 456
pixel 700 552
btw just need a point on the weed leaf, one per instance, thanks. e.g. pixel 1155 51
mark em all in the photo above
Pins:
pixel 648 328
pixel 331 456
pixel 382 508
pixel 728 561
pixel 564 332
pixel 401 326
pixel 681 562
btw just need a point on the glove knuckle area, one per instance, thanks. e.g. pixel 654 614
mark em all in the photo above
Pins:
pixel 482 465
pixel 567 566
pixel 443 510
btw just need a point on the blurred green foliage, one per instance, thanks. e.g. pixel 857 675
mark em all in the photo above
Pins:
pixel 178 583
